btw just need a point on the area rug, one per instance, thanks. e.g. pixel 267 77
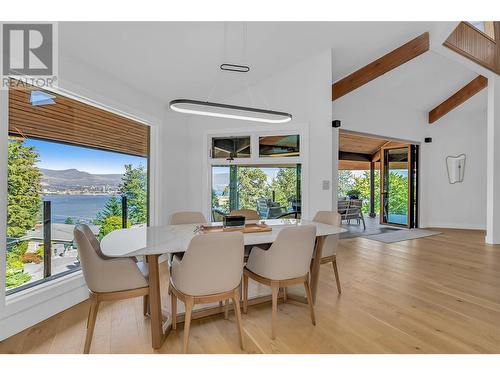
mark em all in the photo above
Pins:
pixel 402 235
pixel 366 233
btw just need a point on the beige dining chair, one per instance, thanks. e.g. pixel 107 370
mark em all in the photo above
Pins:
pixel 187 217
pixel 108 279
pixel 329 248
pixel 249 214
pixel 210 271
pixel 285 263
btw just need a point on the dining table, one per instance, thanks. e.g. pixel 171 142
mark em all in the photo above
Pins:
pixel 151 242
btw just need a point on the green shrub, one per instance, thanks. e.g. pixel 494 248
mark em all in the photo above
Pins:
pixel 14 279
pixel 110 224
pixel 14 262
pixel 19 248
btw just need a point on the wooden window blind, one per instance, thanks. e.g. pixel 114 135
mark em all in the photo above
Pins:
pixel 74 122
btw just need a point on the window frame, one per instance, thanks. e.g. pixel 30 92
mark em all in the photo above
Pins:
pixel 72 284
pixel 255 160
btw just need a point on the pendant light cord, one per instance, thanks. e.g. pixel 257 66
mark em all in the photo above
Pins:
pixel 245 62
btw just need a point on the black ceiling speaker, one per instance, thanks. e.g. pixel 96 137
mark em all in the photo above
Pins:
pixel 336 123
pixel 428 140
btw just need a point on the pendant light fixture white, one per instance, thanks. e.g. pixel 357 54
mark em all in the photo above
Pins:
pixel 207 108
pixel 197 107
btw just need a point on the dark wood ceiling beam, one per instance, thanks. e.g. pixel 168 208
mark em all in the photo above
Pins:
pixel 386 63
pixel 461 96
pixel 354 156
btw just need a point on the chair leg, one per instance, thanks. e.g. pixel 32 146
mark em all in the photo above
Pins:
pixel 245 293
pixel 237 312
pixel 309 299
pixel 336 271
pixel 145 305
pixel 173 306
pixel 284 295
pixel 94 307
pixel 275 290
pixel 187 321
pixel 226 309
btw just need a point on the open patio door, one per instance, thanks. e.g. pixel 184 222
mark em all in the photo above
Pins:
pixel 399 194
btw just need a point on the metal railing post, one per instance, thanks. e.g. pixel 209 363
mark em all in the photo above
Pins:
pixel 47 239
pixel 124 211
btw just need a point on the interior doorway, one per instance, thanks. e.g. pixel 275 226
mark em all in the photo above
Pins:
pixel 380 176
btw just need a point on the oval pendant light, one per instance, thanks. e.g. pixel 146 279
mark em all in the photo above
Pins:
pixel 197 107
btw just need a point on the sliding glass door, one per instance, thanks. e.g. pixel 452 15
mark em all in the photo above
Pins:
pixel 399 186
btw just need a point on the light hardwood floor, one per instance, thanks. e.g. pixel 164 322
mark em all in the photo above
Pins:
pixel 438 294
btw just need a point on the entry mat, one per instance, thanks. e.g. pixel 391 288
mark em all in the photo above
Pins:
pixel 402 235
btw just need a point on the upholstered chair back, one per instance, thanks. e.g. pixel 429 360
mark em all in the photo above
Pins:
pixel 213 263
pixel 249 214
pixel 331 242
pixel 187 217
pixel 288 257
pixel 104 274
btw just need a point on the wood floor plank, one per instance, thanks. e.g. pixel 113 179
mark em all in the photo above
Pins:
pixel 438 294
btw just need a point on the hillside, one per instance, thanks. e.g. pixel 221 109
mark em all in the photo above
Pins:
pixel 75 179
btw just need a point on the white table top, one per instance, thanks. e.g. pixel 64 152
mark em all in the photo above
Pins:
pixel 176 238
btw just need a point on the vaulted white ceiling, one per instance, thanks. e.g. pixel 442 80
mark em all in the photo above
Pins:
pixel 181 59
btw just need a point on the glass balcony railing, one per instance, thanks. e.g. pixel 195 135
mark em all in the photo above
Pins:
pixel 48 250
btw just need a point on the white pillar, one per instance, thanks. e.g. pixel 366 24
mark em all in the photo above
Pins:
pixel 493 162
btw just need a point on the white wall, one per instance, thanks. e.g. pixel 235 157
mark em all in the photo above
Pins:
pixel 460 205
pixel 460 131
pixel 303 90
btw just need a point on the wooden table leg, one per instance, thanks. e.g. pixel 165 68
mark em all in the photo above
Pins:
pixel 315 266
pixel 157 335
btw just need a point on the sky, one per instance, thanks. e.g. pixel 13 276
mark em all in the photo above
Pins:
pixel 60 156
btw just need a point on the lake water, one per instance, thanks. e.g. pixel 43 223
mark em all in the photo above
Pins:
pixel 78 207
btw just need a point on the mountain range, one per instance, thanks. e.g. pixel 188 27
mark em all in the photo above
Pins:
pixel 75 179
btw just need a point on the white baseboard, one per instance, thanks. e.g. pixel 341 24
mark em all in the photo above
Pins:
pixel 472 226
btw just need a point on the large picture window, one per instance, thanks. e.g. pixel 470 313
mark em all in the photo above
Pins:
pixel 59 177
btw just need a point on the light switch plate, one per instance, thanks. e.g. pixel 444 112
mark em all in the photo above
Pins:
pixel 326 185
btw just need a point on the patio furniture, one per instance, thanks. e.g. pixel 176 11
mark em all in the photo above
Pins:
pixel 268 209
pixel 351 209
pixel 286 263
pixel 217 215
pixel 289 215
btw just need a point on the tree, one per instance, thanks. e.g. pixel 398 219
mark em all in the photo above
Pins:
pixel 285 186
pixel 134 186
pixel 398 193
pixel 23 205
pixel 69 220
pixel 362 184
pixel 345 182
pixel 113 207
pixel 23 184
pixel 252 184
pixel 110 224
